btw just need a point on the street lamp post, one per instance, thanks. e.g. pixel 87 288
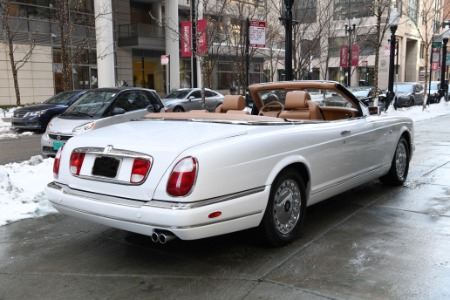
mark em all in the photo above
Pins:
pixel 445 36
pixel 288 47
pixel 349 30
pixel 393 21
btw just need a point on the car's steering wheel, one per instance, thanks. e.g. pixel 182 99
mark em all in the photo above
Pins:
pixel 271 106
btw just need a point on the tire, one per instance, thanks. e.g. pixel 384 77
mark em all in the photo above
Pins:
pixel 411 103
pixel 400 165
pixel 178 109
pixel 286 209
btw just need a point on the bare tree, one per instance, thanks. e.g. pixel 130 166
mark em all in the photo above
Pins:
pixel 19 54
pixel 72 52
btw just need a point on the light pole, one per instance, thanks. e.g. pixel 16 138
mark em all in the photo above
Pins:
pixel 288 47
pixel 445 36
pixel 349 30
pixel 393 21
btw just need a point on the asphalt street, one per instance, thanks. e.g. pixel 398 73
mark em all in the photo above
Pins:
pixel 373 242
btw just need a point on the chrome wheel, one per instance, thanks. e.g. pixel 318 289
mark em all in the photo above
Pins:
pixel 286 208
pixel 401 160
pixel 400 164
pixel 287 205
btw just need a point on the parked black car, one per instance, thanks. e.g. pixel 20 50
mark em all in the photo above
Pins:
pixel 37 116
pixel 408 94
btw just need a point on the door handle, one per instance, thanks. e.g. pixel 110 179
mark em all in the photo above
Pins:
pixel 345 132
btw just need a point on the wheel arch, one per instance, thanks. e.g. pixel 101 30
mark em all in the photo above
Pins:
pixel 299 165
pixel 407 135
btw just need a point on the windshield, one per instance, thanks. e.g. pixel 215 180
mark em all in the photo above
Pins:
pixel 61 98
pixel 91 104
pixel 434 86
pixel 177 94
pixel 404 88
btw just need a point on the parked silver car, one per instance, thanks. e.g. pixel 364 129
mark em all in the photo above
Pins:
pixel 99 108
pixel 188 99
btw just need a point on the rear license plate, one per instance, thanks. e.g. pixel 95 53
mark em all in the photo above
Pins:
pixel 106 166
pixel 57 145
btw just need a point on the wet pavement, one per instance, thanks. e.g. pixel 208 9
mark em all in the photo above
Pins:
pixel 374 242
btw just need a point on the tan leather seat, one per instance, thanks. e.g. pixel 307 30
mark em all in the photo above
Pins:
pixel 298 105
pixel 232 104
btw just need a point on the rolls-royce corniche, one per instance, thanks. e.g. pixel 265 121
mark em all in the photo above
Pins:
pixel 198 174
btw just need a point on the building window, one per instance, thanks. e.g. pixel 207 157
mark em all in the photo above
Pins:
pixel 349 9
pixel 306 11
pixel 413 8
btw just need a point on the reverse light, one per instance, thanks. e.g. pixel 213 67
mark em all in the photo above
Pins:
pixel 57 162
pixel 183 176
pixel 76 162
pixel 83 128
pixel 139 170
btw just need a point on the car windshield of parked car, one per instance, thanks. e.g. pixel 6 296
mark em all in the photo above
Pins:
pixel 434 86
pixel 404 88
pixel 177 94
pixel 360 91
pixel 60 98
pixel 91 104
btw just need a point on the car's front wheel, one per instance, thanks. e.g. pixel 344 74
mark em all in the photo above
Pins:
pixel 400 164
pixel 286 209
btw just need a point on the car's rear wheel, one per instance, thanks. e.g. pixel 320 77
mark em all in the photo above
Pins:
pixel 178 109
pixel 286 209
pixel 400 164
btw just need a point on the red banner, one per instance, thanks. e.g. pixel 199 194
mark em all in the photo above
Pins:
pixel 343 54
pixel 186 33
pixel 355 55
pixel 202 43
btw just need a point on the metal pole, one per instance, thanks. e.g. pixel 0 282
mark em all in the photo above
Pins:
pixel 391 94
pixel 288 50
pixel 349 30
pixel 397 47
pixel 194 44
pixel 443 67
pixel 247 54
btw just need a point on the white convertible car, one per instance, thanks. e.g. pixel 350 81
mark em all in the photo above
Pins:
pixel 200 174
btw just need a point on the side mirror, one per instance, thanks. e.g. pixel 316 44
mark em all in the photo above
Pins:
pixel 190 98
pixel 117 111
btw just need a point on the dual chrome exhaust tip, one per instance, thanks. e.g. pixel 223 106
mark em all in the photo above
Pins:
pixel 162 237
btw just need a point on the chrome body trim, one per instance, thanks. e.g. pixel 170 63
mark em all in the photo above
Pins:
pixel 151 203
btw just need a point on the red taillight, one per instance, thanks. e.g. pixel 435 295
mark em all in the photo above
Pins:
pixel 139 170
pixel 76 162
pixel 183 176
pixel 57 162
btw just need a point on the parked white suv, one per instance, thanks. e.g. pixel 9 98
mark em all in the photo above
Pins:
pixel 99 108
